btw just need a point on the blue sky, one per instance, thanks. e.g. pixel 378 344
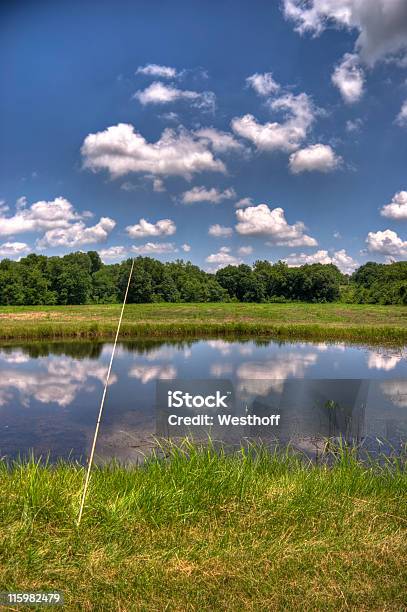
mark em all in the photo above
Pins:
pixel 218 132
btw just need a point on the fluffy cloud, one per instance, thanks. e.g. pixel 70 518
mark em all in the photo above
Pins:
pixel 349 78
pixel 112 253
pixel 147 373
pixel 221 142
pixel 402 116
pixel 186 247
pixel 397 209
pixel 274 136
pixel 317 157
pixel 121 150
pixel 263 84
pixel 77 234
pixel 13 249
pixel 245 250
pixel 382 361
pixel 39 216
pixel 159 93
pixel 261 220
pixel 291 364
pixel 345 262
pixel 202 194
pixel 223 258
pixel 58 382
pixel 155 248
pixel 382 24
pixel 155 70
pixel 386 242
pixel 62 224
pixel 142 229
pixel 220 231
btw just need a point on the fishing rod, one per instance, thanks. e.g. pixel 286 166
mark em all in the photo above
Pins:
pixel 92 452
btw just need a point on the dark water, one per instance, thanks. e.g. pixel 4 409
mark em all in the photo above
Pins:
pixel 50 393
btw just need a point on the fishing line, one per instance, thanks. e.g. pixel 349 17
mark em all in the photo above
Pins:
pixel 92 452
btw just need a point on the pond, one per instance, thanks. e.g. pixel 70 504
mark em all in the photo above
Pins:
pixel 50 392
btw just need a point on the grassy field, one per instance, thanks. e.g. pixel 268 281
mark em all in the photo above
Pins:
pixel 206 531
pixel 352 322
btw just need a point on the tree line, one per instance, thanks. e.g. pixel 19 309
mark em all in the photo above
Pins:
pixel 82 278
pixel 376 283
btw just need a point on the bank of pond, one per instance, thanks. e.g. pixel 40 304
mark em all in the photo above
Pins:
pixel 247 530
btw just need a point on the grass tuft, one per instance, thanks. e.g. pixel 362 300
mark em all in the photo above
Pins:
pixel 204 530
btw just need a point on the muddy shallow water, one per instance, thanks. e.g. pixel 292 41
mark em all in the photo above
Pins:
pixel 50 392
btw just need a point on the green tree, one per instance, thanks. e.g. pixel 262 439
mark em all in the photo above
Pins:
pixel 167 290
pixel 11 285
pixel 105 285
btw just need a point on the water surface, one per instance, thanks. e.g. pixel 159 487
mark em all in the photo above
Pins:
pixel 50 392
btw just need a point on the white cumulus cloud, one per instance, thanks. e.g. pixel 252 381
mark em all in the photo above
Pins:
pixel 155 248
pixel 113 253
pixel 299 115
pixel 221 142
pixel 121 150
pixel 147 373
pixel 220 231
pixel 341 259
pixel 397 209
pixel 157 70
pixel 349 78
pixel 274 371
pixel 261 220
pixel 13 249
pixel 77 234
pixel 317 157
pixel 382 24
pixel 142 229
pixel 186 247
pixel 56 381
pixel 382 361
pixel 41 215
pixel 263 84
pixel 386 242
pixel 160 93
pixel 223 258
pixel 202 194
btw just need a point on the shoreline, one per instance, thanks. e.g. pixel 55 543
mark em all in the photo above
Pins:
pixel 259 520
pixel 295 321
pixel 384 335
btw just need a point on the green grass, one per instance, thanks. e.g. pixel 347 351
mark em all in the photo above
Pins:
pixel 209 531
pixel 348 322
